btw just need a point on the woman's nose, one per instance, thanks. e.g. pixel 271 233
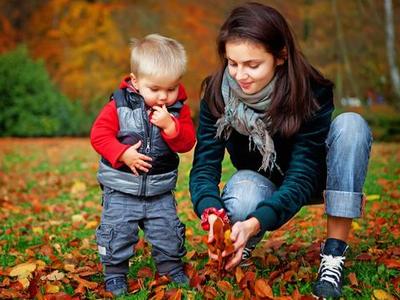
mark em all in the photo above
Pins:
pixel 241 74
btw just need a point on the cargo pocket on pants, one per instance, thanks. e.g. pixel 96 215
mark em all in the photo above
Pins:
pixel 180 232
pixel 104 236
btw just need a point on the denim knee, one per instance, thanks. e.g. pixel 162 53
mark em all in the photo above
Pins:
pixel 351 129
pixel 243 192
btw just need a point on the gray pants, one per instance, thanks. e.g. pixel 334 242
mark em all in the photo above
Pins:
pixel 121 218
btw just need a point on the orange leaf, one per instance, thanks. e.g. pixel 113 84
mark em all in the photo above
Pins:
pixel 239 274
pixel 353 279
pixel 85 283
pixel 262 289
pixel 209 292
pixel 174 294
pixel 382 295
pixel 224 286
pixel 159 295
pixel 391 263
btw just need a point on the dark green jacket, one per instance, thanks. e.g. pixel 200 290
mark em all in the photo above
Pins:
pixel 301 158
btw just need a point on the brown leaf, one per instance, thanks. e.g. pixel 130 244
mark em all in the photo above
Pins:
pixel 159 281
pixel 134 285
pixel 353 279
pixel 59 296
pixel 296 294
pixel 262 289
pixel 209 292
pixel 218 230
pixel 364 257
pixel 196 280
pixel 224 286
pixel 145 272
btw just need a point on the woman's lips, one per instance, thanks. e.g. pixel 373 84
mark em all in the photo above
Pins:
pixel 245 85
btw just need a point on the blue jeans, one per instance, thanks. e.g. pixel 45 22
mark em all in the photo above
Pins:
pixel 121 218
pixel 348 146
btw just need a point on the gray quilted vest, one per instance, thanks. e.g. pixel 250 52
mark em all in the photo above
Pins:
pixel 134 126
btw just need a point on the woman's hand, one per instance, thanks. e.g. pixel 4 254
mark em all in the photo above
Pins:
pixel 241 233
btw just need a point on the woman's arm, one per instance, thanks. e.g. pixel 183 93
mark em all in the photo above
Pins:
pixel 205 175
pixel 304 171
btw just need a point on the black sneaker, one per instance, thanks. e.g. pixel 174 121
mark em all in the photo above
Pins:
pixel 117 285
pixel 246 257
pixel 179 277
pixel 330 273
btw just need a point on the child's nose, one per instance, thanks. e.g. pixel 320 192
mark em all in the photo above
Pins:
pixel 163 96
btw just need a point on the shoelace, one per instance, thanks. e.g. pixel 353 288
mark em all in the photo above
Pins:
pixel 331 268
pixel 246 253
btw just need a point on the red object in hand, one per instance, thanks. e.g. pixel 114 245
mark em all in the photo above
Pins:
pixel 213 211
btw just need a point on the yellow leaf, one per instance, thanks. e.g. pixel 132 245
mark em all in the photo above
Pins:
pixel 69 267
pixel 38 230
pixel 355 226
pixel 77 218
pixel 85 244
pixel 23 270
pixel 78 187
pixel 41 265
pixel 227 234
pixel 55 275
pixel 91 225
pixel 51 288
pixel 382 295
pixel 24 282
pixel 373 197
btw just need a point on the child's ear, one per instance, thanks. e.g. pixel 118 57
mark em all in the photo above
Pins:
pixel 133 80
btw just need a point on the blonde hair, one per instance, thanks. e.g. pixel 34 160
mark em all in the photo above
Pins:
pixel 158 56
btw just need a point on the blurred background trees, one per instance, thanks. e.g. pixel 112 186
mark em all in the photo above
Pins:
pixel 84 46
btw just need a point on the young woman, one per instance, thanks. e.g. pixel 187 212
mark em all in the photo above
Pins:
pixel 272 111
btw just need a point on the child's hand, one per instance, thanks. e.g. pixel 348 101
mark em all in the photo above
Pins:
pixel 135 160
pixel 161 118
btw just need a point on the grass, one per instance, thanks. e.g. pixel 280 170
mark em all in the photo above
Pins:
pixel 50 205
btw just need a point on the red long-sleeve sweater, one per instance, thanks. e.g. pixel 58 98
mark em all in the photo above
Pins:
pixel 103 135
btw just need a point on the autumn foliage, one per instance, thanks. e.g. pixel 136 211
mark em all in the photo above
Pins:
pixel 50 207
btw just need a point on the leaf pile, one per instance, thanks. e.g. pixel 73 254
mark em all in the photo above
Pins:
pixel 50 206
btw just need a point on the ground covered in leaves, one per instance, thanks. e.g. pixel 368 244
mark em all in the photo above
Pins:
pixel 50 207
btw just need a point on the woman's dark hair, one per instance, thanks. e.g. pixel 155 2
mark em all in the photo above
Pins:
pixel 292 100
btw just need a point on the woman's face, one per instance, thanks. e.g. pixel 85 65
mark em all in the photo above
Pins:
pixel 250 65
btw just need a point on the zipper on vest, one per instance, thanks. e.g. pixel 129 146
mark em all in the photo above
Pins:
pixel 147 134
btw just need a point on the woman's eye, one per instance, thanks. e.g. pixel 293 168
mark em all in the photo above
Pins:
pixel 254 66
pixel 232 64
pixel 153 89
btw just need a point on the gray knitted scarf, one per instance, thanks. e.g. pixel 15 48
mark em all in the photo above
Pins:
pixel 247 114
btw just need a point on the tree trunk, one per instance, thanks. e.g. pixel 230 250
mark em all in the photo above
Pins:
pixel 344 53
pixel 391 51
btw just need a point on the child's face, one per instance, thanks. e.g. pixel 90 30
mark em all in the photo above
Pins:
pixel 156 91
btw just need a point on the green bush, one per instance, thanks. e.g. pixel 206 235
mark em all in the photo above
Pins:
pixel 30 105
pixel 383 120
